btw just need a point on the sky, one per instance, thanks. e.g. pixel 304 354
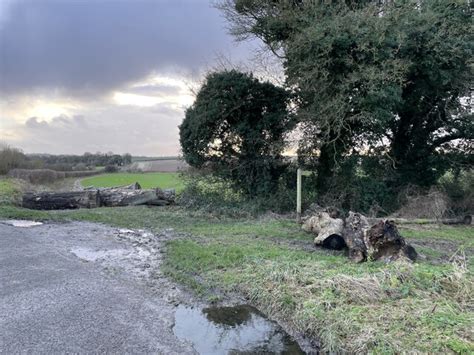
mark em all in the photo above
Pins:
pixel 106 75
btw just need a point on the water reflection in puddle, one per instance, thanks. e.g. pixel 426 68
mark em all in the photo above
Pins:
pixel 22 223
pixel 232 330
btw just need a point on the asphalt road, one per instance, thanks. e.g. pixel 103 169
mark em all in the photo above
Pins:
pixel 84 288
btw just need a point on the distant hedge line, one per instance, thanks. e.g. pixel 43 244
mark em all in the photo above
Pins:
pixel 38 176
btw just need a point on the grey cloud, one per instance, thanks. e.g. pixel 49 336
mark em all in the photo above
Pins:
pixel 142 131
pixel 88 47
pixel 33 123
pixel 59 121
pixel 155 90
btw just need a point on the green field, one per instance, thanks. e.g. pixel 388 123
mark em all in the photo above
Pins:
pixel 146 180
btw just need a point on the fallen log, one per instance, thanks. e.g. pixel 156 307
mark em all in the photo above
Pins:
pixel 133 195
pixel 163 197
pixel 328 230
pixel 165 194
pixel 130 195
pixel 61 200
pixel 381 241
pixel 355 228
pixel 124 197
pixel 466 219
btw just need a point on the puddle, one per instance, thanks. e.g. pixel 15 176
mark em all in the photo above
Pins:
pixel 232 330
pixel 22 223
pixel 93 255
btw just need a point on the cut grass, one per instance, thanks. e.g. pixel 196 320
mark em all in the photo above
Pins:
pixel 369 307
pixel 146 180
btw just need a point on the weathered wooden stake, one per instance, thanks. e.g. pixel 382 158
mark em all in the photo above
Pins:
pixel 298 195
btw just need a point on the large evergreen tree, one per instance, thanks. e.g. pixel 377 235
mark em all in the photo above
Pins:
pixel 236 127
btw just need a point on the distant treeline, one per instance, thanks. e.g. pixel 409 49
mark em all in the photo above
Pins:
pixel 143 158
pixel 80 162
pixel 13 158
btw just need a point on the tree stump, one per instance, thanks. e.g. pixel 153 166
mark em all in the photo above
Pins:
pixel 382 241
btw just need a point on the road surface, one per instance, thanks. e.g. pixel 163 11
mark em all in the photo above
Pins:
pixel 85 288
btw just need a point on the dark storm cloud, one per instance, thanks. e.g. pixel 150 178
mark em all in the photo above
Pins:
pixel 88 47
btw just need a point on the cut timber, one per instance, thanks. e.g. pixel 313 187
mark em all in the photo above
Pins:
pixel 166 194
pixel 163 197
pixel 124 197
pixel 355 227
pixel 130 195
pixel 61 200
pixel 328 230
pixel 382 241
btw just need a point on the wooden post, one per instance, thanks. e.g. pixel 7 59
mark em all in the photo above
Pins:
pixel 298 195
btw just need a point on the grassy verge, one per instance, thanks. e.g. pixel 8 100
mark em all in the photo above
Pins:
pixel 146 180
pixel 370 307
pixel 354 308
pixel 10 191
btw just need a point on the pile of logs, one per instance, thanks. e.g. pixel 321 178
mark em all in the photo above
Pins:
pixel 381 241
pixel 130 195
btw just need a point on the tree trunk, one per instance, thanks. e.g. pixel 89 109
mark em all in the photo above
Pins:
pixel 134 186
pixel 325 169
pixel 163 197
pixel 384 242
pixel 130 195
pixel 61 200
pixel 125 197
pixel 328 230
pixel 379 242
pixel 355 228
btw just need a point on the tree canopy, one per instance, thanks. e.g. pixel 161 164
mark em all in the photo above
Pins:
pixel 237 127
pixel 390 78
